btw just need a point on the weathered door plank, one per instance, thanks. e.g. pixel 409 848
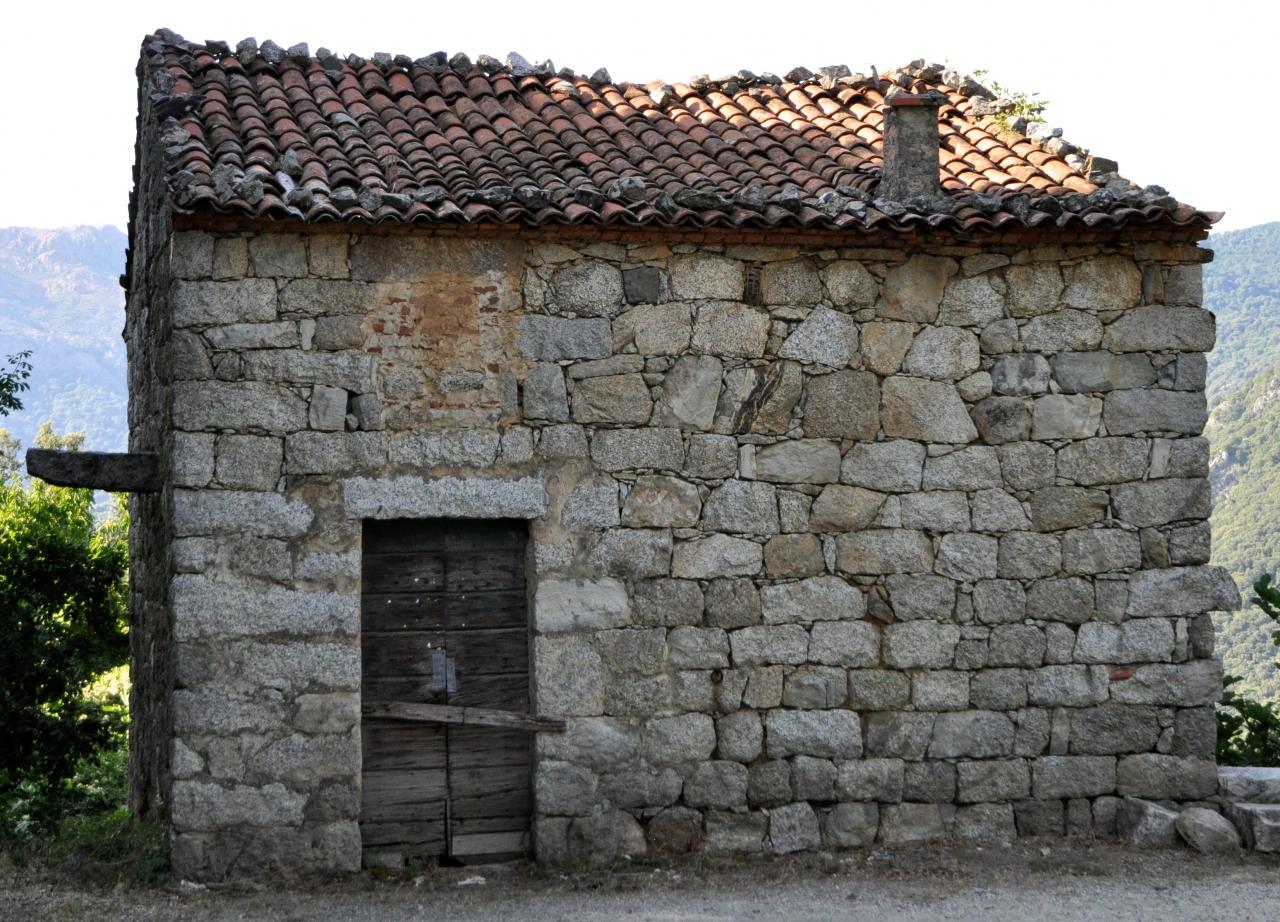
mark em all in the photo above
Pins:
pixel 472 747
pixel 394 745
pixel 475 653
pixel 433 611
pixel 446 770
pixel 415 838
pixel 404 573
pixel 490 843
pixel 396 796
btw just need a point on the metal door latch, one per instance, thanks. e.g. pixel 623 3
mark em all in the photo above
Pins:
pixel 444 676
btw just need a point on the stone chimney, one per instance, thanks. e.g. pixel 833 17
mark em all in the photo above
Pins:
pixel 911 147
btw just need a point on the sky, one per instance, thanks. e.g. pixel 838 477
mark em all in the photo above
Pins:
pixel 1177 92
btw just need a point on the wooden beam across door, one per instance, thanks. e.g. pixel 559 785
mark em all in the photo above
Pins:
pixel 471 716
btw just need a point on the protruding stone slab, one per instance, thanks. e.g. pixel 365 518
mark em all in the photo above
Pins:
pixel 116 472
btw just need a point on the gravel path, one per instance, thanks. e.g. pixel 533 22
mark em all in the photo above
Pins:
pixel 1049 880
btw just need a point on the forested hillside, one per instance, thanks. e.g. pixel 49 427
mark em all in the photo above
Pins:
pixel 1242 286
pixel 61 299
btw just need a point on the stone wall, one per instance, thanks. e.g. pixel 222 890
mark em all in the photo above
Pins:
pixel 828 545
pixel 148 340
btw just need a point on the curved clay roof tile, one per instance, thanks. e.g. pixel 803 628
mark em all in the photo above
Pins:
pixel 391 125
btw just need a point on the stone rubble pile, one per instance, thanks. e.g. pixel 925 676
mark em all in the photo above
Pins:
pixel 1245 811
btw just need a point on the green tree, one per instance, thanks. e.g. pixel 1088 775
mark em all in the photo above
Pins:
pixel 63 620
pixel 10 454
pixel 47 438
pixel 1267 597
pixel 1249 730
pixel 13 381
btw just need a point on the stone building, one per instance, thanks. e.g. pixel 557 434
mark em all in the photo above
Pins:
pixel 541 463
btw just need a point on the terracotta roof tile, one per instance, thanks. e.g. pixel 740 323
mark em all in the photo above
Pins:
pixel 329 139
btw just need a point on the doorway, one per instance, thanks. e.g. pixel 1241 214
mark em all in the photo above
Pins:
pixel 445 686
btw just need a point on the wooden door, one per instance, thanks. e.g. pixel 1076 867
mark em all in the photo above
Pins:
pixel 444 621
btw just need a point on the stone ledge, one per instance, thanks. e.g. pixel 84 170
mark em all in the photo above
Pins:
pixel 117 472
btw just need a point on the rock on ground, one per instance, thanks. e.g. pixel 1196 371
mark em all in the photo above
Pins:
pixel 1207 831
pixel 1145 824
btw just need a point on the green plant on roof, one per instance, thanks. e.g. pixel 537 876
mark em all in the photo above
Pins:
pixel 1024 105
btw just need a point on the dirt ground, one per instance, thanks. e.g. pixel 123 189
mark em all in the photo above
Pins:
pixel 1051 879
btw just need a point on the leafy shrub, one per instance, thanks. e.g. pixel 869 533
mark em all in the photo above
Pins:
pixel 13 381
pixel 62 617
pixel 1249 730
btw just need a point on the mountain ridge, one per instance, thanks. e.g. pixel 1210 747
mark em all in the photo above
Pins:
pixel 61 299
pixel 1242 287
